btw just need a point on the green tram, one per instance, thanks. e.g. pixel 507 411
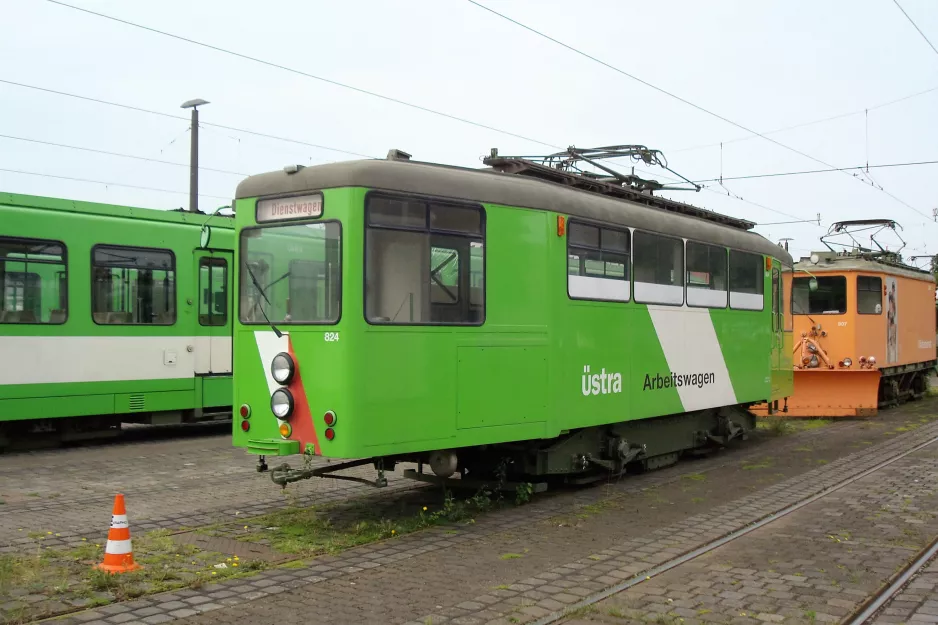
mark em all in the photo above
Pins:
pixel 110 314
pixel 495 321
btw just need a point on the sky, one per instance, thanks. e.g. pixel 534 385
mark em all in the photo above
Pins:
pixel 763 65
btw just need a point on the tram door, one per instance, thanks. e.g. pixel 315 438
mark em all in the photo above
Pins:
pixel 213 302
pixel 778 326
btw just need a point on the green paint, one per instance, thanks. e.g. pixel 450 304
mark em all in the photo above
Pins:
pixel 80 226
pixel 410 388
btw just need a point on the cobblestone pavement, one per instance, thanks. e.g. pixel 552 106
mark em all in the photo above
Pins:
pixel 187 481
pixel 520 564
pixel 816 565
pixel 916 603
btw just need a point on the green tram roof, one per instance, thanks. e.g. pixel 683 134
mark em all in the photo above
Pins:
pixel 492 187
pixel 112 210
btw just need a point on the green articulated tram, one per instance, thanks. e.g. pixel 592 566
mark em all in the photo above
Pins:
pixel 110 315
pixel 515 320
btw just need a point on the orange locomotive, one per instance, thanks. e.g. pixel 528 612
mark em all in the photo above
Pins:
pixel 863 328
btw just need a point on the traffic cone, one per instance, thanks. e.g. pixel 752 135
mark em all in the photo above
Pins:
pixel 119 553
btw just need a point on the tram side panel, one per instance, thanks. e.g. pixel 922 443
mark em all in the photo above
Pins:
pixel 80 364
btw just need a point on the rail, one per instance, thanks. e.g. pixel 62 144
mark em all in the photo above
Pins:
pixel 723 540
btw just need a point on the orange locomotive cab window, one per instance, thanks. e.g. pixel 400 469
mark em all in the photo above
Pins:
pixel 869 295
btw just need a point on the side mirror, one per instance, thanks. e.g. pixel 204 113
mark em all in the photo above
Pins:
pixel 812 284
pixel 205 237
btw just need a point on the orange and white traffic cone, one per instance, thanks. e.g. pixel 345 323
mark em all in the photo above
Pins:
pixel 119 553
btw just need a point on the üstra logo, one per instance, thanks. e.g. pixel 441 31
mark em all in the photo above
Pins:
pixel 600 383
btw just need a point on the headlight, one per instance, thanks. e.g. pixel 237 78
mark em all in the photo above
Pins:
pixel 282 368
pixel 281 403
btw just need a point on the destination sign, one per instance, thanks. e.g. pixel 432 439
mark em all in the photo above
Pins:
pixel 301 207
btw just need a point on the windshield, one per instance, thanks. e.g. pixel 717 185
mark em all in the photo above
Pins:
pixel 291 274
pixel 830 298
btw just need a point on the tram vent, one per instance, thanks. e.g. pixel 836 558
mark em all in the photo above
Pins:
pixel 137 402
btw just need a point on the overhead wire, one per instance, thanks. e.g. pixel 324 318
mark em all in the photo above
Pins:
pixel 727 193
pixel 266 135
pixel 298 72
pixel 911 21
pixel 818 171
pixel 671 95
pixel 360 90
pixel 806 124
pixel 118 154
pixel 183 118
pixel 105 183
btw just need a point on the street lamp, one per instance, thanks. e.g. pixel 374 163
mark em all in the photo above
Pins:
pixel 194 153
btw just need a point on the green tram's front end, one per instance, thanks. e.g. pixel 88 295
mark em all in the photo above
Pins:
pixel 288 355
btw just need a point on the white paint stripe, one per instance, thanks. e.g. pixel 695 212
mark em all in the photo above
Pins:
pixel 268 346
pixel 691 346
pixel 746 301
pixel 118 547
pixel 706 297
pixel 650 293
pixel 591 287
pixel 62 359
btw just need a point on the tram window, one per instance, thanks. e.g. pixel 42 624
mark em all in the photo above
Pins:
pixel 659 269
pixel 706 275
pixel 747 282
pixel 420 259
pixel 33 281
pixel 291 274
pixel 869 295
pixel 444 272
pixel 597 263
pixel 133 285
pixel 397 213
pixel 213 285
pixel 830 298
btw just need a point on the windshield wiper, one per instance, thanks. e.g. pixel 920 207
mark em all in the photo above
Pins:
pixel 257 285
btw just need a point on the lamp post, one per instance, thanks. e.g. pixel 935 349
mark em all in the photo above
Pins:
pixel 194 153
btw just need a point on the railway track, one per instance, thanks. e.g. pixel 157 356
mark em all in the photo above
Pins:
pixel 873 607
pixel 864 615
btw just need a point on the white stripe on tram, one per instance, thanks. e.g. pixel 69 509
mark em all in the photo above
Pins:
pixel 60 359
pixel 690 346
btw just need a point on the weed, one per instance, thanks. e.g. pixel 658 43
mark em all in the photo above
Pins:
pixel 696 477
pixel 66 574
pixel 697 500
pixel 584 611
pixel 509 556
pixel 776 426
pixel 523 493
pixel 764 464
